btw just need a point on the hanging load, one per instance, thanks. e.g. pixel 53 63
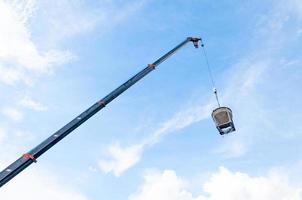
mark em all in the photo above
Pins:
pixel 222 116
pixel 223 119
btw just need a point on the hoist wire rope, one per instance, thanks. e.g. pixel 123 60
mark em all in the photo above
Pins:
pixel 210 74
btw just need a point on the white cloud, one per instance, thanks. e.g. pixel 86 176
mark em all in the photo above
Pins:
pixel 12 113
pixel 223 184
pixel 25 9
pixel 120 158
pixel 27 102
pixel 162 186
pixel 20 58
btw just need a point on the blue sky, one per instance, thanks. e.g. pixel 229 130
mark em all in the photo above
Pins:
pixel 157 140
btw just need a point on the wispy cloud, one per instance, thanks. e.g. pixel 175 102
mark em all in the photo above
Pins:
pixel 43 181
pixel 242 94
pixel 27 102
pixel 3 134
pixel 120 159
pixel 80 17
pixel 12 113
pixel 44 184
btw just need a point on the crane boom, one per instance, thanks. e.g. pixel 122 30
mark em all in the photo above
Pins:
pixel 27 159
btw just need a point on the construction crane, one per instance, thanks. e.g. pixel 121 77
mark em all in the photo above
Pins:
pixel 31 157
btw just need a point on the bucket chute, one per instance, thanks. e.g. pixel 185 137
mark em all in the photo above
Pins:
pixel 223 118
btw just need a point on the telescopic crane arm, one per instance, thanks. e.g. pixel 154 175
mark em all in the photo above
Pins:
pixel 27 159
